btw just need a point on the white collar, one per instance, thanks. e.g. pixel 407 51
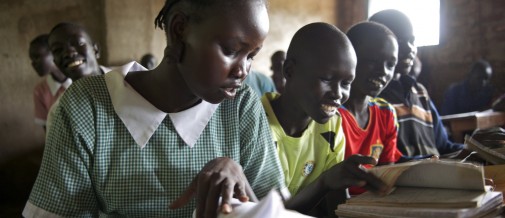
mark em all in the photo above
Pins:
pixel 105 69
pixel 54 85
pixel 142 119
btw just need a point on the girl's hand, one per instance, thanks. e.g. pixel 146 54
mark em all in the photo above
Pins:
pixel 221 177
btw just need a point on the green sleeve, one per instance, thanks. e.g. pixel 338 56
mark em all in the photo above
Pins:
pixel 63 186
pixel 258 156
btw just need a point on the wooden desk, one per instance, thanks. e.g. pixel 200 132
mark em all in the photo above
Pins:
pixel 460 123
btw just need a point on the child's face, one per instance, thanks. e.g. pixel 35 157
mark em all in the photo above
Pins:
pixel 73 52
pixel 42 59
pixel 377 59
pixel 323 83
pixel 218 51
pixel 277 76
pixel 480 77
pixel 407 49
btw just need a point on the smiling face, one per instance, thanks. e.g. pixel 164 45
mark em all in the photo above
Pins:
pixel 73 51
pixel 377 57
pixel 325 86
pixel 407 52
pixel 401 26
pixel 218 50
pixel 319 68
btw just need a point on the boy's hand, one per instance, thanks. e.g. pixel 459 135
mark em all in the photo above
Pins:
pixel 351 172
pixel 221 177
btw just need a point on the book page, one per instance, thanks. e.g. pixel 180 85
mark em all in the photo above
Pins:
pixel 432 174
pixel 491 201
pixel 270 206
pixel 422 197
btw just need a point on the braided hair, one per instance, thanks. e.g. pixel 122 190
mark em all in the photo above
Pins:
pixel 191 6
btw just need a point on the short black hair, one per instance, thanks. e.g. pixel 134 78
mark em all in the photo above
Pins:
pixel 63 24
pixel 42 39
pixel 68 24
pixel 364 30
pixel 480 66
pixel 395 20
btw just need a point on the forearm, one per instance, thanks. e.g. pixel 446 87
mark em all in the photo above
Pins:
pixel 308 198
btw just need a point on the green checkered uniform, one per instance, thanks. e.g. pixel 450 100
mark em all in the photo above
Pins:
pixel 93 167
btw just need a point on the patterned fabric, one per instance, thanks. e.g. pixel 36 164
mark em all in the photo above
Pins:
pixel 45 94
pixel 304 158
pixel 420 128
pixel 378 138
pixel 51 111
pixel 93 167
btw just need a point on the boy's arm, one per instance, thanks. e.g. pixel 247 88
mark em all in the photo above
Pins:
pixel 337 179
pixel 442 142
pixel 449 101
pixel 39 108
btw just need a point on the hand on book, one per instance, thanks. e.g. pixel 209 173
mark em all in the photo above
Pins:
pixel 220 177
pixel 351 172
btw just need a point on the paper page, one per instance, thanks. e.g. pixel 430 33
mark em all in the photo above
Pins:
pixel 269 207
pixel 432 174
pixel 491 201
pixel 422 197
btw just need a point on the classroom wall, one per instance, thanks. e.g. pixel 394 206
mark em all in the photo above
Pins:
pixel 470 30
pixel 286 17
pixel 130 32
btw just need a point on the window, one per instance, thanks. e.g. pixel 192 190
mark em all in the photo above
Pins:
pixel 424 15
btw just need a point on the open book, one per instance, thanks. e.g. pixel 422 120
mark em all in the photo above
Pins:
pixel 427 188
pixel 271 206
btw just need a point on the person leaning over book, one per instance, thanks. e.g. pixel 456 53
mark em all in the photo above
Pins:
pixel 319 68
pixel 421 132
pixel 369 123
pixel 132 142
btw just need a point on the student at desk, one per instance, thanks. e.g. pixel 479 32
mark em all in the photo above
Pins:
pixel 475 93
pixel 132 142
pixel 306 127
pixel 421 131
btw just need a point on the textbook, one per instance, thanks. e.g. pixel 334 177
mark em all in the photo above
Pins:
pixel 427 188
pixel 493 155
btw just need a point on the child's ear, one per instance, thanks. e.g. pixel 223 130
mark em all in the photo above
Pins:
pixel 288 68
pixel 96 48
pixel 177 26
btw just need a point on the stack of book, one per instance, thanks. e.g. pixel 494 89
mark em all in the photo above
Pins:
pixel 427 188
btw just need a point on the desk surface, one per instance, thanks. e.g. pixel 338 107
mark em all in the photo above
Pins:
pixel 471 115
pixel 465 122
